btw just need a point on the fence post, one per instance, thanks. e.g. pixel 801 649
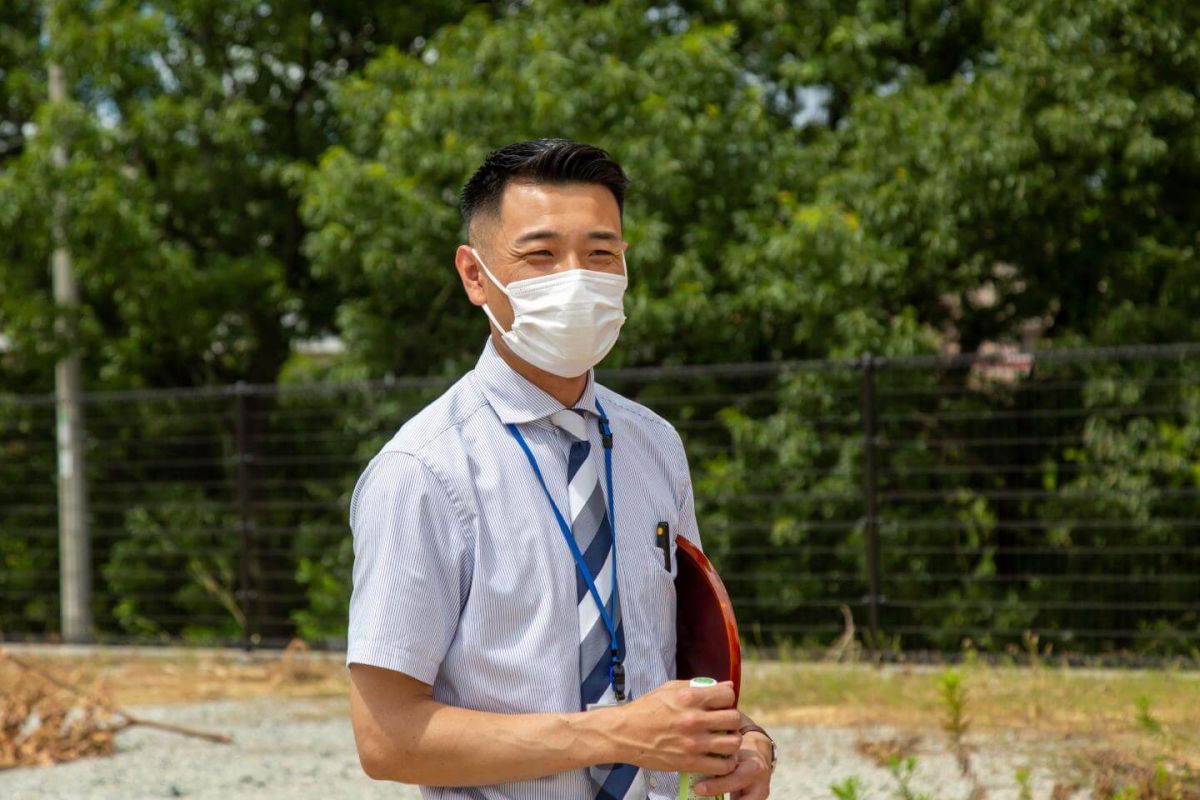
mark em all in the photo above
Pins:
pixel 246 593
pixel 871 495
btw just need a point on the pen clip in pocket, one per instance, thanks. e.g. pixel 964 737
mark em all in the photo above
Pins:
pixel 662 537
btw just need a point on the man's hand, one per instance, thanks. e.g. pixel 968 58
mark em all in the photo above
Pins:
pixel 751 779
pixel 678 728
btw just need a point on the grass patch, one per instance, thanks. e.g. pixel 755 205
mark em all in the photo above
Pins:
pixel 1135 710
pixel 1133 733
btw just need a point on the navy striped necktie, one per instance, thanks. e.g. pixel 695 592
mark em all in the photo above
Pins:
pixel 594 537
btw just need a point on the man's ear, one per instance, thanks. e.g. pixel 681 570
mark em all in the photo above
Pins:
pixel 470 273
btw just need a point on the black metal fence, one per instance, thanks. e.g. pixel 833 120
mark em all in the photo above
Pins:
pixel 986 497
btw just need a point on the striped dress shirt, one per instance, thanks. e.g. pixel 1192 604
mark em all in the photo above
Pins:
pixel 461 575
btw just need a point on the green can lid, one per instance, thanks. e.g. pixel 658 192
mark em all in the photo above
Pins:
pixel 703 682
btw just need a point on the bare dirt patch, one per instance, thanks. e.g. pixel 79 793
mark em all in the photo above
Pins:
pixel 130 677
pixel 1095 728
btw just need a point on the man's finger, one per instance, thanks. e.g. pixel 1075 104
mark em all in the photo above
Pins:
pixel 717 766
pixel 726 744
pixel 719 696
pixel 726 719
pixel 750 769
pixel 759 790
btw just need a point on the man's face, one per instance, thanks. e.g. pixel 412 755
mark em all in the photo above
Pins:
pixel 541 229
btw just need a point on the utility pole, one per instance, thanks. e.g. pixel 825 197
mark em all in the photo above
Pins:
pixel 74 544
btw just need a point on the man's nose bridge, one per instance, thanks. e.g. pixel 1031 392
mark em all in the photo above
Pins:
pixel 573 260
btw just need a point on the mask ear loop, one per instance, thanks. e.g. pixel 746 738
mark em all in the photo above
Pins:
pixel 503 289
pixel 499 286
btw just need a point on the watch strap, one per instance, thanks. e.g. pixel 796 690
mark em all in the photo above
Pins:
pixel 774 750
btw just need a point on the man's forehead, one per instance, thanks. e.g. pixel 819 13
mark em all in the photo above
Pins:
pixel 529 208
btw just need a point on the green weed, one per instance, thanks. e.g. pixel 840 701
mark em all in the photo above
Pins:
pixel 1024 784
pixel 849 789
pixel 1145 719
pixel 902 770
pixel 955 722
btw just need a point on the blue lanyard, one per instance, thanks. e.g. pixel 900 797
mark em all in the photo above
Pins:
pixel 616 672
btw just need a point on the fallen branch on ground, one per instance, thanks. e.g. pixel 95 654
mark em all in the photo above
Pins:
pixel 38 726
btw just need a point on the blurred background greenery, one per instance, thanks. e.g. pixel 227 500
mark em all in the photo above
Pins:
pixel 266 192
pixel 809 179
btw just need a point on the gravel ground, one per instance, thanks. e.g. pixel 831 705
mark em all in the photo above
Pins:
pixel 304 749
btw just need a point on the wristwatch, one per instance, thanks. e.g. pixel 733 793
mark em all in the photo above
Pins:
pixel 774 750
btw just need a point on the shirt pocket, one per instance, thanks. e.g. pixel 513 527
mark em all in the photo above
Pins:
pixel 658 605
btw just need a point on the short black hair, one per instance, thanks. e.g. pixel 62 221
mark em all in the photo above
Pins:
pixel 555 161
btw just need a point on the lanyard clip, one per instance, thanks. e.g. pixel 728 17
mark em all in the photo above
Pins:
pixel 617 672
pixel 606 437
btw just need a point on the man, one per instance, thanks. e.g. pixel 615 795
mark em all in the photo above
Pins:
pixel 512 623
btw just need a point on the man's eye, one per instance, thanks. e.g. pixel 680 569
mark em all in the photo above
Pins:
pixel 604 253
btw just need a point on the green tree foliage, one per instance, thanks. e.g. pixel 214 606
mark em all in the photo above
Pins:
pixel 1052 172
pixel 980 173
pixel 809 180
pixel 1040 156
pixel 818 57
pixel 184 118
pixel 675 108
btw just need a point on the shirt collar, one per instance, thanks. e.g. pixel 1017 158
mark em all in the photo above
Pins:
pixel 516 400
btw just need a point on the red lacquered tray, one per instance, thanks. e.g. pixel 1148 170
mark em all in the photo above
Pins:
pixel 706 629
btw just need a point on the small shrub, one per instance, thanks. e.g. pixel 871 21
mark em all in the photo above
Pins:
pixel 1145 719
pixel 955 722
pixel 902 770
pixel 849 789
pixel 1024 784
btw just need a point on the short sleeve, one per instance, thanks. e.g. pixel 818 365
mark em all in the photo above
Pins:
pixel 688 527
pixel 411 567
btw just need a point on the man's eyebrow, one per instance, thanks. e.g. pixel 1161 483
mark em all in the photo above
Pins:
pixel 533 236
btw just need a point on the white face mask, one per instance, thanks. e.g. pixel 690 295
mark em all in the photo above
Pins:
pixel 564 322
